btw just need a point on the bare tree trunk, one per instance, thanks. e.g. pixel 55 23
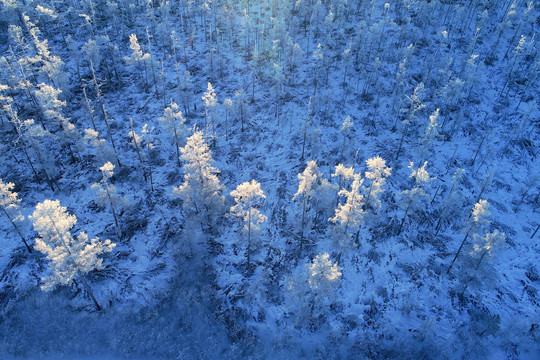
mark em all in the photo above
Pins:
pixel 457 253
pixel 17 229
pixel 89 290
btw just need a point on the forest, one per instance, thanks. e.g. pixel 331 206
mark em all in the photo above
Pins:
pixel 271 179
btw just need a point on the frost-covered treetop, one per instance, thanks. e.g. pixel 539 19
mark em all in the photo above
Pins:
pixel 490 243
pixel 346 127
pixel 197 154
pixel 248 190
pixel 323 274
pixel 377 168
pixel 420 175
pixel 171 113
pixel 210 99
pixel 227 102
pixel 433 124
pixel 134 46
pixel 52 220
pixel 308 180
pixel 8 198
pixel 107 170
pixel 247 196
pixel 458 175
pixel 351 213
pixel 318 54
pixel 91 134
pixel 481 212
pixel 343 171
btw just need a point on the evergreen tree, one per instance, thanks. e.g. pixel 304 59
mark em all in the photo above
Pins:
pixel 414 199
pixel 173 121
pixel 104 152
pixel 489 244
pixel 248 197
pixel 311 181
pixel 312 289
pixel 377 174
pixel 201 190
pixel 452 206
pixel 70 257
pixel 349 215
pixel 241 106
pixel 210 103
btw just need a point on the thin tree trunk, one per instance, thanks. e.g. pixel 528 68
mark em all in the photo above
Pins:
pixel 249 239
pixel 535 231
pixel 457 253
pixel 134 137
pixel 303 224
pixel 17 229
pixel 112 206
pixel 89 290
pixel 403 221
pixel 481 258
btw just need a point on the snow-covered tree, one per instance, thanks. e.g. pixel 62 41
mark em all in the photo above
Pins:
pixel 489 244
pixel 137 56
pixel 312 288
pixel 51 106
pixel 311 181
pixel 431 133
pixel 185 89
pixel 210 103
pixel 414 199
pixel 347 131
pixel 70 257
pixel 173 121
pixel 319 68
pixel 38 139
pixel 452 206
pixel 415 105
pixel 248 197
pixel 106 191
pixel 241 106
pixel 479 220
pixel 104 152
pixel 140 143
pixel 349 215
pixel 201 190
pixel 324 276
pixel 343 173
pixel 9 202
pixel 377 174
